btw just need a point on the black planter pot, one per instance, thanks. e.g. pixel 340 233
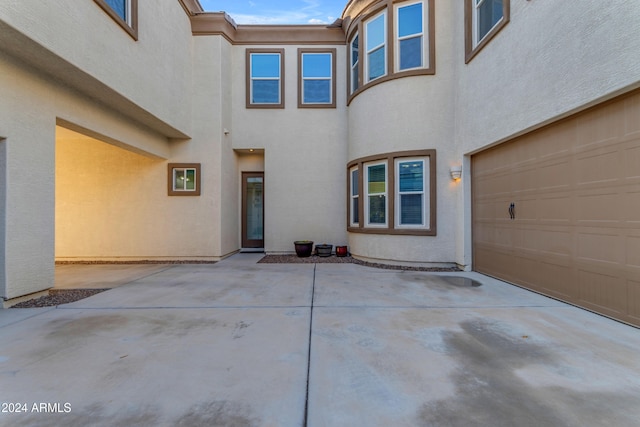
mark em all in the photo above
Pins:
pixel 324 250
pixel 303 248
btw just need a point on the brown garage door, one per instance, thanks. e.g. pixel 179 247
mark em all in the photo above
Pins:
pixel 573 190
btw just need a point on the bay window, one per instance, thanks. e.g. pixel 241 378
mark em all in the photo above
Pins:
pixel 397 39
pixel 398 193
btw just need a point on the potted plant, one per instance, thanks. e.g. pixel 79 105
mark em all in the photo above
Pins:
pixel 324 250
pixel 303 248
pixel 341 251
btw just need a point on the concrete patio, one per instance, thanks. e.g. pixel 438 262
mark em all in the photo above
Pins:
pixel 245 344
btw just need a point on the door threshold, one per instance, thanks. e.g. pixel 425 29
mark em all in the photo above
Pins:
pixel 251 250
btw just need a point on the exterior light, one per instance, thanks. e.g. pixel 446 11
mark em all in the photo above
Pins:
pixel 456 172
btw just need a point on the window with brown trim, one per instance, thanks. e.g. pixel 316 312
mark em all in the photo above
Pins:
pixel 393 39
pixel 183 179
pixel 265 78
pixel 124 13
pixel 393 193
pixel 316 78
pixel 483 20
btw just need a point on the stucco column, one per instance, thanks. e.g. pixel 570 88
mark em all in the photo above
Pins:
pixel 27 212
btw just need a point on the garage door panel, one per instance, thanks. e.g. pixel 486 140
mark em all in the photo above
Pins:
pixel 557 208
pixel 601 125
pixel 603 291
pixel 632 160
pixel 576 189
pixel 632 115
pixel 600 209
pixel 633 289
pixel 598 167
pixel 601 247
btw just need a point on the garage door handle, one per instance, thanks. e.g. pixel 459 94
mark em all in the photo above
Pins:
pixel 512 211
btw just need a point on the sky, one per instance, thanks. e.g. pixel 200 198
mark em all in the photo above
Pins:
pixel 280 12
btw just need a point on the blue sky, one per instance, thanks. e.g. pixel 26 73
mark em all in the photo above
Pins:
pixel 278 11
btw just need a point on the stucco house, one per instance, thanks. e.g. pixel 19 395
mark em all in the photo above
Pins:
pixel 501 136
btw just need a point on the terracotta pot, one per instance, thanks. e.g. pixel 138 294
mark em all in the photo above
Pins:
pixel 341 251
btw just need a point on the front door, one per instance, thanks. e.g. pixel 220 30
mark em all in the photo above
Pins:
pixel 253 209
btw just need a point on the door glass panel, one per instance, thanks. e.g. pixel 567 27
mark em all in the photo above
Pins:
pixel 254 209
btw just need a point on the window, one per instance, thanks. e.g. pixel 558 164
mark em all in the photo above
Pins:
pixel 354 195
pixel 399 194
pixel 355 64
pixel 316 71
pixel 409 36
pixel 376 33
pixel 124 12
pixel 184 179
pixel 265 73
pixel 484 19
pixel 376 194
pixel 397 39
pixel 410 186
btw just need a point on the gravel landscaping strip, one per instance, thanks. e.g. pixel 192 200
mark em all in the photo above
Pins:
pixel 294 259
pixel 59 296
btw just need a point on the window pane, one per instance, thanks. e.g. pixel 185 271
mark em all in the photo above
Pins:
pixel 355 213
pixel 190 179
pixel 354 79
pixel 411 209
pixel 354 50
pixel 377 178
pixel 376 63
pixel 410 18
pixel 411 53
pixel 317 91
pixel 316 65
pixel 266 92
pixel 377 211
pixel 489 13
pixel 265 65
pixel 354 183
pixel 375 33
pixel 178 182
pixel 411 176
pixel 119 7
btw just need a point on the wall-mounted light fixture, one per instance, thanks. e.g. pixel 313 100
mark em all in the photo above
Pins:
pixel 226 131
pixel 456 172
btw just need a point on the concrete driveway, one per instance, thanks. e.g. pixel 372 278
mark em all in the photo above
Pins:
pixel 245 344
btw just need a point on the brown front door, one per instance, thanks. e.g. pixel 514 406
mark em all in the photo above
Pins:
pixel 253 210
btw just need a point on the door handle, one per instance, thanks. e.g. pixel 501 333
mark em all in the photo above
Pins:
pixel 512 210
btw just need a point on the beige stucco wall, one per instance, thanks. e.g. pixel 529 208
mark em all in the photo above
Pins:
pixel 154 72
pixel 305 154
pixel 54 62
pixel 412 113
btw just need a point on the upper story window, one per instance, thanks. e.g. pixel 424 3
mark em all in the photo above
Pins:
pixel 316 73
pixel 265 73
pixel 409 38
pixel 396 194
pixel 354 63
pixel 376 59
pixel 124 12
pixel 484 19
pixel 397 40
